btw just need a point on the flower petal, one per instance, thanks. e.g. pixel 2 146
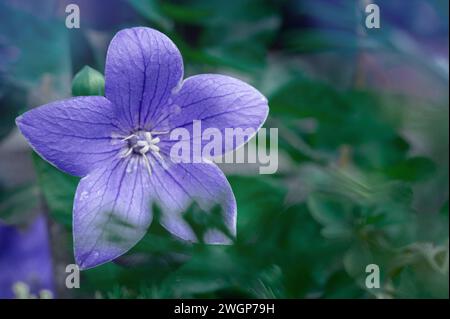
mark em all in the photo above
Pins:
pixel 179 186
pixel 111 213
pixel 143 66
pixel 220 102
pixel 74 134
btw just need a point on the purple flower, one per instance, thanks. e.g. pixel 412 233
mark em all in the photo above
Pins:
pixel 25 259
pixel 120 145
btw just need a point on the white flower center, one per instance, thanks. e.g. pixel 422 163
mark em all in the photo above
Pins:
pixel 142 142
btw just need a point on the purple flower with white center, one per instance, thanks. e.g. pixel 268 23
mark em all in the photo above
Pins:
pixel 120 145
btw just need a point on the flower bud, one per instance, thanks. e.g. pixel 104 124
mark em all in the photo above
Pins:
pixel 88 82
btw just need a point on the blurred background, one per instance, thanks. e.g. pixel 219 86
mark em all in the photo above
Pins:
pixel 363 120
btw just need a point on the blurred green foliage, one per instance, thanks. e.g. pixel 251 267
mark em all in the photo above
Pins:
pixel 353 187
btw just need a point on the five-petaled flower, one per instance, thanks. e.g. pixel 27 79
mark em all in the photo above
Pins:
pixel 119 144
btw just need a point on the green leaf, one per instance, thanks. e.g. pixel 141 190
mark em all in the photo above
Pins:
pixel 258 199
pixel 88 82
pixel 412 169
pixel 334 215
pixel 18 204
pixel 12 99
pixel 201 221
pixel 58 189
pixel 420 270
pixel 151 10
pixel 340 285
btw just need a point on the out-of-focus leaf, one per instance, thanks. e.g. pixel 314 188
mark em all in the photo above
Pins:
pixel 412 169
pixel 421 270
pixel 305 98
pixel 357 258
pixel 355 121
pixel 185 13
pixel 340 285
pixel 246 29
pixel 151 10
pixel 17 205
pixel 252 194
pixel 12 99
pixel 444 210
pixel 58 189
pixel 333 215
pixel 319 41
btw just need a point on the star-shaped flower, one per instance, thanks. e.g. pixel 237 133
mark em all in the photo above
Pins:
pixel 120 145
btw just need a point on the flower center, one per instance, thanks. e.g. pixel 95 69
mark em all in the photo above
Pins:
pixel 141 143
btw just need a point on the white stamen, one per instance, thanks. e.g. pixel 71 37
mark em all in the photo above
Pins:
pixel 155 140
pixel 128 137
pixel 128 152
pixel 148 136
pixel 144 142
pixel 160 132
pixel 147 164
pixel 154 148
pixel 144 149
pixel 141 143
